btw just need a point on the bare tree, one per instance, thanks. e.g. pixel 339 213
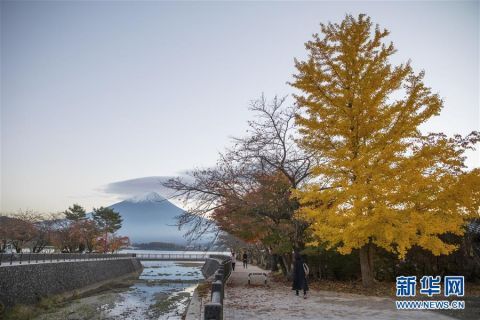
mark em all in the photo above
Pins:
pixel 206 190
pixel 23 229
pixel 269 148
pixel 6 227
pixel 44 233
pixel 271 142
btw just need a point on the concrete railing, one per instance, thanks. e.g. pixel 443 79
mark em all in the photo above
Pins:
pixel 214 309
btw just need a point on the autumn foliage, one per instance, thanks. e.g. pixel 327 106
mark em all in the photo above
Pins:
pixel 353 173
pixel 263 215
pixel 388 184
pixel 70 231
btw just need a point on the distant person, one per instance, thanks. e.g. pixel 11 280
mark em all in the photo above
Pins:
pixel 300 274
pixel 245 260
pixel 233 261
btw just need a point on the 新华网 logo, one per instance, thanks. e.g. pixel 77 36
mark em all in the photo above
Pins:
pixel 406 286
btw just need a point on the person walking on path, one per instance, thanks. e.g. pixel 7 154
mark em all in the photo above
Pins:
pixel 234 260
pixel 300 274
pixel 245 259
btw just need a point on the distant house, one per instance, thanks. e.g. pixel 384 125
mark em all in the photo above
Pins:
pixel 48 249
pixel 9 248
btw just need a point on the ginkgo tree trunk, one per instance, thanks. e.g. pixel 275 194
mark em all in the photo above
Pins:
pixel 381 182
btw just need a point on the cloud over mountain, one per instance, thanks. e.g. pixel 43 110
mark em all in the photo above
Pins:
pixel 128 188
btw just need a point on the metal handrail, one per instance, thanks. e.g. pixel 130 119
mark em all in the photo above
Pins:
pixel 31 258
pixel 173 256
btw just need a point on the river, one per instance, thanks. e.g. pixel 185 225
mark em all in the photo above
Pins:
pixel 162 291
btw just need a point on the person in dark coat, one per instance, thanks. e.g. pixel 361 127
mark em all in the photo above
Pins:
pixel 300 272
pixel 234 260
pixel 245 260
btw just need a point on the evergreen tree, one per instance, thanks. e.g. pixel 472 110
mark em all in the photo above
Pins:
pixel 108 220
pixel 75 213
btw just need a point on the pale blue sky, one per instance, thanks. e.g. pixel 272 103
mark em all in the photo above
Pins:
pixel 99 92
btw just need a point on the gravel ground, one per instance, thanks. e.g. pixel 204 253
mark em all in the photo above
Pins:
pixel 278 301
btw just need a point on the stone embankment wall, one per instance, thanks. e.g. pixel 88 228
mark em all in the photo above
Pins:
pixel 27 284
pixel 211 265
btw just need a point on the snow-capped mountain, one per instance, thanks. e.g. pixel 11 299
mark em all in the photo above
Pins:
pixel 148 218
pixel 148 197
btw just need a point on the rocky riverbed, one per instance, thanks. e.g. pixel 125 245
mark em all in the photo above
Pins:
pixel 162 291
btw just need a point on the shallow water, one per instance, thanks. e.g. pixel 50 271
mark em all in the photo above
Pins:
pixel 162 291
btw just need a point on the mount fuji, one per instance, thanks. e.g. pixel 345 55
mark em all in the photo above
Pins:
pixel 150 218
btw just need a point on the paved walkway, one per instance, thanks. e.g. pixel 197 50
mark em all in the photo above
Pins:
pixel 278 301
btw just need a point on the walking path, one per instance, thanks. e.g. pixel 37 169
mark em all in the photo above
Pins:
pixel 278 301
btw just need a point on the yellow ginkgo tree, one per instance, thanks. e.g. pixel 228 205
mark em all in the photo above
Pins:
pixel 379 181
